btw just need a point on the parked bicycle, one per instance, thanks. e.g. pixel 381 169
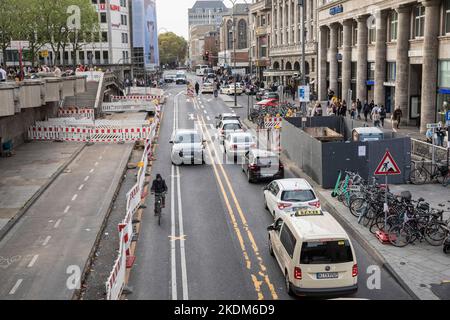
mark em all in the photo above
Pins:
pixel 422 174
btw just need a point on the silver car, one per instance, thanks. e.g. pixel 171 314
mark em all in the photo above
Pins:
pixel 188 147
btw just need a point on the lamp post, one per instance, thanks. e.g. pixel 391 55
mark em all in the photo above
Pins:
pixel 301 4
pixel 234 51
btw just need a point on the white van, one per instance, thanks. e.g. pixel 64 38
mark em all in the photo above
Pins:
pixel 314 253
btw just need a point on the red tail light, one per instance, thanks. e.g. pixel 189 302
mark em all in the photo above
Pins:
pixel 315 204
pixel 297 273
pixel 253 167
pixel 284 205
pixel 234 146
pixel 355 270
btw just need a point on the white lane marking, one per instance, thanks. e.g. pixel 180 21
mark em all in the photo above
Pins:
pixel 86 179
pixel 205 112
pixel 16 286
pixel 75 196
pixel 92 170
pixel 181 233
pixel 201 106
pixel 46 240
pixel 96 164
pixel 100 158
pixel 67 209
pixel 81 187
pixel 33 261
pixel 208 118
pixel 172 244
pixel 57 224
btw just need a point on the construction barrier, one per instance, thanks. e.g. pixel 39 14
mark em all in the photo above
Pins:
pixel 116 279
pixel 77 113
pixel 273 122
pixel 269 139
pixel 128 106
pixel 147 97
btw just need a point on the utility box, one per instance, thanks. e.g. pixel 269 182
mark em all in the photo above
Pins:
pixel 367 134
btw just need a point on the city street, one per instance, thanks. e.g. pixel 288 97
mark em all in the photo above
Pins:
pixel 212 243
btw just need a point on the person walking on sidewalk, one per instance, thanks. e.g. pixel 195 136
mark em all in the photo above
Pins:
pixel 359 108
pixel 376 118
pixel 440 135
pixel 382 115
pixel 197 88
pixel 397 116
pixel 366 111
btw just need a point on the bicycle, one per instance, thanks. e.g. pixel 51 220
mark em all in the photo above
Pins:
pixel 158 206
pixel 422 174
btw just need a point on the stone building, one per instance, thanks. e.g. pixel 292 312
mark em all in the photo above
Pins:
pixel 395 52
pixel 260 21
pixel 197 36
pixel 206 12
pixel 285 41
pixel 226 54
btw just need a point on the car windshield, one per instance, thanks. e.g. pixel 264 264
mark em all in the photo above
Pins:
pixel 230 118
pixel 298 196
pixel 188 138
pixel 232 126
pixel 327 252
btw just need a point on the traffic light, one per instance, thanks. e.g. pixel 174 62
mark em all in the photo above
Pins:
pixel 206 56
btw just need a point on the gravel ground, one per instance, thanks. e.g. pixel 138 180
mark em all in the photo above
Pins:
pixel 107 251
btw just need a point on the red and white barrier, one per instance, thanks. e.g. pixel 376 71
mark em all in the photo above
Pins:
pixel 77 113
pixel 148 97
pixel 116 279
pixel 273 122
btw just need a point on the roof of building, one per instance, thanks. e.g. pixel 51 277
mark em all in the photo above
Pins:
pixel 208 4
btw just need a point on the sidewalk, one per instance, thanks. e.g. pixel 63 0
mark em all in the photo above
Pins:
pixel 421 269
pixel 28 173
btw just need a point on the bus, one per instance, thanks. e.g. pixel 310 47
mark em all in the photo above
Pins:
pixel 200 70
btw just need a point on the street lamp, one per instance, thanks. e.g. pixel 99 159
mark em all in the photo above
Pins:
pixel 301 4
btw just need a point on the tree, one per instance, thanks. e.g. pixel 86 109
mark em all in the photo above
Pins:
pixel 8 24
pixel 172 49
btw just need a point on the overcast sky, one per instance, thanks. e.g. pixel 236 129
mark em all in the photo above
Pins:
pixel 173 15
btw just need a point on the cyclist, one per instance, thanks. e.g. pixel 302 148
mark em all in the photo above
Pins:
pixel 159 188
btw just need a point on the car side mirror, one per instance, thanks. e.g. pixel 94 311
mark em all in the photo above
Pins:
pixel 171 142
pixel 271 228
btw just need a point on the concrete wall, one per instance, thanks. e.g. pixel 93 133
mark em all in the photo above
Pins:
pixel 16 127
pixel 6 100
pixel 30 94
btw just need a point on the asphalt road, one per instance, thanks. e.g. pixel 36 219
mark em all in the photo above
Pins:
pixel 212 243
pixel 42 256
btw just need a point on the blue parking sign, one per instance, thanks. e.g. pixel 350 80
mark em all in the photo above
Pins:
pixel 447 117
pixel 304 93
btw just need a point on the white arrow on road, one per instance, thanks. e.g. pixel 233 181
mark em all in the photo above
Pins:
pixel 191 116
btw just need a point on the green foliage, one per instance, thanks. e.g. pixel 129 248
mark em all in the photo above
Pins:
pixel 172 48
pixel 45 22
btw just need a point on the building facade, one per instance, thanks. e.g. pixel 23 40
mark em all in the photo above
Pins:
pixel 260 34
pixel 234 49
pixel 395 52
pixel 197 37
pixel 286 42
pixel 206 12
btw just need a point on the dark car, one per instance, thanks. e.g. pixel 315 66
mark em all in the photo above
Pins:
pixel 262 164
pixel 181 79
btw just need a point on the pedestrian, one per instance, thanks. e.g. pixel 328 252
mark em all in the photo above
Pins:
pixel 197 88
pixel 353 111
pixel 366 111
pixel 318 112
pixel 371 106
pixel 397 116
pixel 343 112
pixel 440 135
pixel 382 115
pixel 330 111
pixel 429 136
pixel 376 118
pixel 293 91
pixel 359 108
pixel 3 74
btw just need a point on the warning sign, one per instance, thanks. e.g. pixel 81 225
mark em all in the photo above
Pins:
pixel 387 166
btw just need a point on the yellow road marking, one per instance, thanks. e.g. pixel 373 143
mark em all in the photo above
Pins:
pixel 241 214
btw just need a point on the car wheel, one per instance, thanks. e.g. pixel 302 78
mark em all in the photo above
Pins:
pixel 271 248
pixel 287 284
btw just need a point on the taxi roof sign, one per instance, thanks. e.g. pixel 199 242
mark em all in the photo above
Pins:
pixel 387 166
pixel 306 212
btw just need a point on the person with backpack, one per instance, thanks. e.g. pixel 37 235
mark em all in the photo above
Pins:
pixel 366 111
pixel 397 116
pixel 359 108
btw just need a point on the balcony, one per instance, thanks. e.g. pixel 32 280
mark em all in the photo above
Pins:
pixel 261 5
pixel 286 50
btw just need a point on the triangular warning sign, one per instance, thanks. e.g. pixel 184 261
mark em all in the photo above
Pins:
pixel 387 166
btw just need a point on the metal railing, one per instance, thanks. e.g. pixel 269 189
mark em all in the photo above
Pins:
pixel 424 150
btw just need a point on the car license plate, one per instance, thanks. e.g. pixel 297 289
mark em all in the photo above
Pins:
pixel 327 275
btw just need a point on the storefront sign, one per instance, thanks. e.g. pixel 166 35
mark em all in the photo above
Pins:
pixel 370 82
pixel 336 10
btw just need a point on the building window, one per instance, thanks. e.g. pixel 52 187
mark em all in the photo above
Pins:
pixel 447 16
pixel 354 68
pixel 444 74
pixel 373 31
pixel 123 20
pixel 419 21
pixel 123 3
pixel 124 37
pixel 104 36
pixel 103 17
pixel 105 57
pixel 97 56
pixel 391 71
pixel 229 35
pixel 313 65
pixel 355 34
pixel 242 33
pixel 393 25
pixel 370 70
